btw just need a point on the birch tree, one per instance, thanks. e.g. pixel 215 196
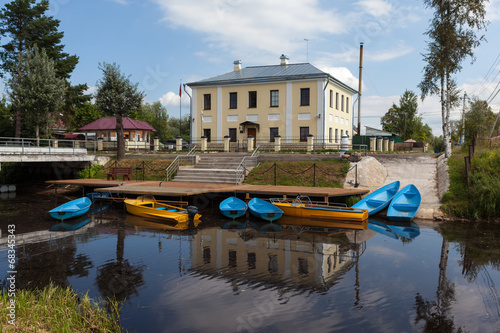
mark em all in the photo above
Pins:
pixel 453 35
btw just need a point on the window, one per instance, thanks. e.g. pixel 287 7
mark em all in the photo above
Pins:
pixel 233 100
pixel 336 135
pixel 275 98
pixel 207 101
pixel 304 132
pixel 330 134
pixel 252 99
pixel 207 133
pixel 341 133
pixel 232 256
pixel 331 98
pixel 342 109
pixel 347 104
pixel 304 96
pixel 252 260
pixel 273 131
pixel 232 134
pixel 337 101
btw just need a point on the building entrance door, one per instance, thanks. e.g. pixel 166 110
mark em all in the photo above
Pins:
pixel 252 132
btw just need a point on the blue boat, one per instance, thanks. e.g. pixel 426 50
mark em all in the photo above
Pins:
pixel 93 195
pixel 405 204
pixel 70 226
pixel 264 210
pixel 379 199
pixel 233 207
pixel 71 209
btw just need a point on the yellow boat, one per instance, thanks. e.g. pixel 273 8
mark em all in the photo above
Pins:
pixel 303 207
pixel 147 206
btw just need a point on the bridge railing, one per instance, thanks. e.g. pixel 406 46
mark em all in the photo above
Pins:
pixel 47 146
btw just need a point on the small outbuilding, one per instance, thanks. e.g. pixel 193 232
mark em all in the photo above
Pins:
pixel 133 130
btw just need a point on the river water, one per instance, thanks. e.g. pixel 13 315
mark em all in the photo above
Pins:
pixel 246 276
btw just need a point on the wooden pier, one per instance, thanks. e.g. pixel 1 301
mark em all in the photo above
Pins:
pixel 187 189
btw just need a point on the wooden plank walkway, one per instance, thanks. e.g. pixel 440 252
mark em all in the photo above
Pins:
pixel 183 189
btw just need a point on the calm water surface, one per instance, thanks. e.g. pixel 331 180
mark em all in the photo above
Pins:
pixel 247 276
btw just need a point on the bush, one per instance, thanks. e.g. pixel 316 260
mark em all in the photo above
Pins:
pixel 92 173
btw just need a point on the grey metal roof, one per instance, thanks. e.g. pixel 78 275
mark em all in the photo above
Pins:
pixel 254 74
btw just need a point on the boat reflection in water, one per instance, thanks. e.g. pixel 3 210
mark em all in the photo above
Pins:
pixel 292 253
pixel 151 223
pixel 394 229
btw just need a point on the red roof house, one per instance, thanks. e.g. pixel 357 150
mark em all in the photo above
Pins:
pixel 133 130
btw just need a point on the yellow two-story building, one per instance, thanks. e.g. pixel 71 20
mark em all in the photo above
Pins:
pixel 292 101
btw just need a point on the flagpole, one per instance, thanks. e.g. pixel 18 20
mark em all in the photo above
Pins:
pixel 180 107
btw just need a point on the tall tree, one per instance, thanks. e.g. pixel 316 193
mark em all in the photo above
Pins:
pixel 117 96
pixel 453 37
pixel 40 90
pixel 403 119
pixel 25 25
pixel 478 120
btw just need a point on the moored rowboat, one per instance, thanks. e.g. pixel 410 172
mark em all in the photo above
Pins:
pixel 147 206
pixel 233 207
pixel 71 209
pixel 405 204
pixel 379 199
pixel 303 207
pixel 264 210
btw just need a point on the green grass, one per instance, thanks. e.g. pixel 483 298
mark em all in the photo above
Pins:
pixel 482 200
pixel 57 309
pixel 154 168
pixel 300 173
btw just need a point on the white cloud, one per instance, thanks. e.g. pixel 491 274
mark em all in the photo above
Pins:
pixel 342 74
pixel 245 27
pixel 493 10
pixel 376 7
pixel 350 53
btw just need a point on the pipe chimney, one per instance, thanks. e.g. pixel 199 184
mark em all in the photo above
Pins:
pixel 284 59
pixel 237 65
pixel 360 85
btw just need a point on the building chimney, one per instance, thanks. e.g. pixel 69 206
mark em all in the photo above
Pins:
pixel 237 65
pixel 284 59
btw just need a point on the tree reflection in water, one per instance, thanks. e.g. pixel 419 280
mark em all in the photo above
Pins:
pixel 119 279
pixel 436 314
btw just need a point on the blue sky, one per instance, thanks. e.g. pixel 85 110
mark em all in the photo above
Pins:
pixel 163 42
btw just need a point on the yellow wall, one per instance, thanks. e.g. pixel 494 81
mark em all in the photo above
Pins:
pixel 319 105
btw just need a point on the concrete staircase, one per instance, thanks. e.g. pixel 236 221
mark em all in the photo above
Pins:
pixel 215 168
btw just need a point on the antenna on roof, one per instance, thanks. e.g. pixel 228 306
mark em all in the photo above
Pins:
pixel 307 49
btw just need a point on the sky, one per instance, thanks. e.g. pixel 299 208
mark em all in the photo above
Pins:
pixel 163 43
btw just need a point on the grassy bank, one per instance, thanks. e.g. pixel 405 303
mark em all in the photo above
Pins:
pixel 56 309
pixel 330 173
pixel 482 199
pixel 154 168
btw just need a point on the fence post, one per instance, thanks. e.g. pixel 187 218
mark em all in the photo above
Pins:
pixel 356 184
pixel 274 173
pixel 467 165
pixel 90 167
pixel 314 174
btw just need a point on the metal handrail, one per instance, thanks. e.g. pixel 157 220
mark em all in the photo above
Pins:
pixel 241 169
pixel 173 167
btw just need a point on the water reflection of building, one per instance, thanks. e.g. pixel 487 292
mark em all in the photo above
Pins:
pixel 308 260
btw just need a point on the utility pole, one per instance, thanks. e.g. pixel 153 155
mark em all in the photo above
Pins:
pixel 462 137
pixel 360 84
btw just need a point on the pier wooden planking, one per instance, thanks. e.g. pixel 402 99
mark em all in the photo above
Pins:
pixel 189 189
